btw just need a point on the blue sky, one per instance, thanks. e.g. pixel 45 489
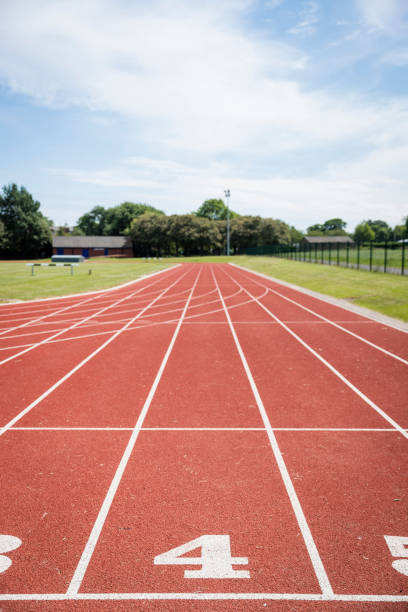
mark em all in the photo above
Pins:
pixel 300 108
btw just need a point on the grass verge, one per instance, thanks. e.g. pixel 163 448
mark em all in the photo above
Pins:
pixel 16 282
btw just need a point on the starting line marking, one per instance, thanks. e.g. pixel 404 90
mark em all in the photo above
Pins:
pixel 215 560
pixel 202 596
pixel 365 429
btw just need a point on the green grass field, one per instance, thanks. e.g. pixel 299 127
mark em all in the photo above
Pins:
pixel 16 282
pixel 385 293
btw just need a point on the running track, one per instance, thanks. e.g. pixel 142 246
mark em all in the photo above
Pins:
pixel 259 431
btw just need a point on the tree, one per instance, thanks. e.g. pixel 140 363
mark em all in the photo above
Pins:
pixel 63 230
pixel 27 231
pixel 245 233
pixel 331 227
pixel 295 235
pixel 209 239
pixel 215 210
pixel 334 225
pixel 363 233
pixel 315 230
pixel 274 231
pixel 382 230
pixel 149 233
pixel 3 236
pixel 119 218
pixel 93 223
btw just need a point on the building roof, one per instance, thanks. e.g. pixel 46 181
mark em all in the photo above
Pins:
pixel 89 242
pixel 327 239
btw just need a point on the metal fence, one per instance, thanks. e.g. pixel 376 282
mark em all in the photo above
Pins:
pixel 386 257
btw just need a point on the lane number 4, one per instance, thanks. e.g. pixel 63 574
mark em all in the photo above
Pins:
pixel 215 559
pixel 7 544
pixel 399 548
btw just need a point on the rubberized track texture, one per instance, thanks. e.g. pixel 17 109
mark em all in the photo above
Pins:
pixel 202 439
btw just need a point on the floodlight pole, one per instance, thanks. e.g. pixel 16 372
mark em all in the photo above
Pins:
pixel 227 196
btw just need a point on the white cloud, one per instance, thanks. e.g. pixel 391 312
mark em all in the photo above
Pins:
pixel 191 81
pixel 188 78
pixel 273 3
pixel 397 57
pixel 308 18
pixel 372 187
pixel 383 14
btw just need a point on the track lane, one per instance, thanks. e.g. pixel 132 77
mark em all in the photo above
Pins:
pixel 14 404
pixel 200 482
pixel 385 336
pixel 230 478
pixel 84 321
pixel 361 375
pixel 87 553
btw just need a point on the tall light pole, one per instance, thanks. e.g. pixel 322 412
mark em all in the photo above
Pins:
pixel 227 195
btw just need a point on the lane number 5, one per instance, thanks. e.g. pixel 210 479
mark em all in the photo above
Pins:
pixel 215 559
pixel 399 548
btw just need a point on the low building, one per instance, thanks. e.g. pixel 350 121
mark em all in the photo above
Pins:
pixel 342 241
pixel 92 246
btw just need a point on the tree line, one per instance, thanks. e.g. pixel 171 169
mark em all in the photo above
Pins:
pixel 26 233
pixel 366 231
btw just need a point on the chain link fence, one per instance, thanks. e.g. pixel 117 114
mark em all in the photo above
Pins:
pixel 385 257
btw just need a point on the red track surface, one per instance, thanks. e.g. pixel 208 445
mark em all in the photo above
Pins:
pixel 202 401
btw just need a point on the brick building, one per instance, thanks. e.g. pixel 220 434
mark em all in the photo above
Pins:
pixel 92 246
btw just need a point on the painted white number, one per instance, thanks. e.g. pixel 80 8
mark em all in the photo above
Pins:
pixel 7 544
pixel 399 548
pixel 215 559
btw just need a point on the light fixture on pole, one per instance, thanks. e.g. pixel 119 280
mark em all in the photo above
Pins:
pixel 227 195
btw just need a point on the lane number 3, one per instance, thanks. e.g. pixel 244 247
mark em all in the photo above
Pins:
pixel 399 548
pixel 215 559
pixel 7 544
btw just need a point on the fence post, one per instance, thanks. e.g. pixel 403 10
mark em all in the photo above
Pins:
pixel 403 259
pixel 315 253
pixel 371 255
pixel 330 253
pixel 358 255
pixel 347 254
pixel 310 253
pixel 385 256
pixel 338 254
pixel 321 256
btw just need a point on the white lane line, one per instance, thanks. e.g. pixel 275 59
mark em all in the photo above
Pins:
pixel 201 596
pixel 146 323
pixel 328 365
pixel 102 295
pixel 87 553
pixel 81 363
pixel 80 318
pixel 36 320
pixel 80 322
pixel 320 572
pixel 337 325
pixel 101 301
pixel 361 311
pixel 97 291
pixel 358 429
